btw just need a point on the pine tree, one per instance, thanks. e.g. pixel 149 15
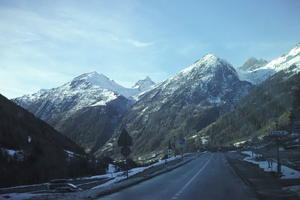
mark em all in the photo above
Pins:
pixel 124 142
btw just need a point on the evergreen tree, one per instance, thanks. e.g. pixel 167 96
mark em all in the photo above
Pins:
pixel 124 142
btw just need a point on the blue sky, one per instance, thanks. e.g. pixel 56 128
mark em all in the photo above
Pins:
pixel 44 44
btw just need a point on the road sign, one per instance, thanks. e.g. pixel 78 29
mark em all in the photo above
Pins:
pixel 170 152
pixel 125 151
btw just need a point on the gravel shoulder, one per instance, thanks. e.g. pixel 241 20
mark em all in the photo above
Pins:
pixel 266 185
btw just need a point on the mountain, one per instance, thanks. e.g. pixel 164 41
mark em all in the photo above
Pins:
pixel 257 113
pixel 252 64
pixel 85 109
pixel 182 105
pixel 143 85
pixel 260 74
pixel 29 147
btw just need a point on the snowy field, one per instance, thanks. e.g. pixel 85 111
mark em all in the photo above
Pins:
pixel 287 172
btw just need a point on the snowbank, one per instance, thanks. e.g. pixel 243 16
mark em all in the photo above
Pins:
pixel 287 172
pixel 121 175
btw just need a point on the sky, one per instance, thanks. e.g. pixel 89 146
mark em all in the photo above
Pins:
pixel 46 43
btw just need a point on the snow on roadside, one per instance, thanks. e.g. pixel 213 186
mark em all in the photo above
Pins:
pixel 287 172
pixel 120 175
pixel 160 162
pixel 13 154
pixel 19 196
pixel 116 177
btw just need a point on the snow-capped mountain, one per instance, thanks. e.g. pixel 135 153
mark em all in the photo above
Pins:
pixel 184 103
pixel 252 64
pixel 144 85
pixel 102 81
pixel 91 89
pixel 88 93
pixel 284 62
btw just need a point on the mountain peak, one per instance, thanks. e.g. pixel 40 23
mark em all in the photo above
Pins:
pixel 91 77
pixel 144 84
pixel 147 78
pixel 207 63
pixel 253 63
pixel 94 79
pixel 210 57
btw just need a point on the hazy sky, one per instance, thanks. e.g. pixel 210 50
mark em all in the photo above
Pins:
pixel 44 44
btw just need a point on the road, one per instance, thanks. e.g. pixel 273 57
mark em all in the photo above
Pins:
pixel 208 177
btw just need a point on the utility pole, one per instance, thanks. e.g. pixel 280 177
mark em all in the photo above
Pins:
pixel 278 157
pixel 278 148
pixel 124 142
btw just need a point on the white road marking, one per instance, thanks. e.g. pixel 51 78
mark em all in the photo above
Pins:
pixel 191 180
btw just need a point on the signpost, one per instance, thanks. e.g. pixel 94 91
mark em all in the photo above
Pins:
pixel 169 152
pixel 181 142
pixel 278 134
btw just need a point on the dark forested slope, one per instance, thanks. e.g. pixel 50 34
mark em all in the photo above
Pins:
pixel 31 151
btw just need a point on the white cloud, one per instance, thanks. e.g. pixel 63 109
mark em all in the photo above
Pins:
pixel 137 43
pixel 46 48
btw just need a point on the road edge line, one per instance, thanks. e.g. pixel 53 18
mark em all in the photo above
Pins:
pixel 113 190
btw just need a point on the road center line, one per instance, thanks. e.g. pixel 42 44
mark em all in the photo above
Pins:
pixel 190 181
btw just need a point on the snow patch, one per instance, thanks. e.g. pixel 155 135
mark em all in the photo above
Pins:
pixel 281 63
pixel 287 172
pixel 29 139
pixel 13 154
pixel 71 154
pixel 107 97
pixel 19 196
pixel 118 176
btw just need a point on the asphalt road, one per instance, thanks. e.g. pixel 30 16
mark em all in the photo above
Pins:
pixel 208 177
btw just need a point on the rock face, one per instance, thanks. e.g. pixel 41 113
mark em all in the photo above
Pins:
pixel 183 104
pixel 257 75
pixel 86 109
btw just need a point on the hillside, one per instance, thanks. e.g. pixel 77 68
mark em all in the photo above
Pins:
pixel 29 147
pixel 257 113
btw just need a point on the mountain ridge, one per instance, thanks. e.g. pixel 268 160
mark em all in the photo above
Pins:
pixel 208 88
pixel 260 74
